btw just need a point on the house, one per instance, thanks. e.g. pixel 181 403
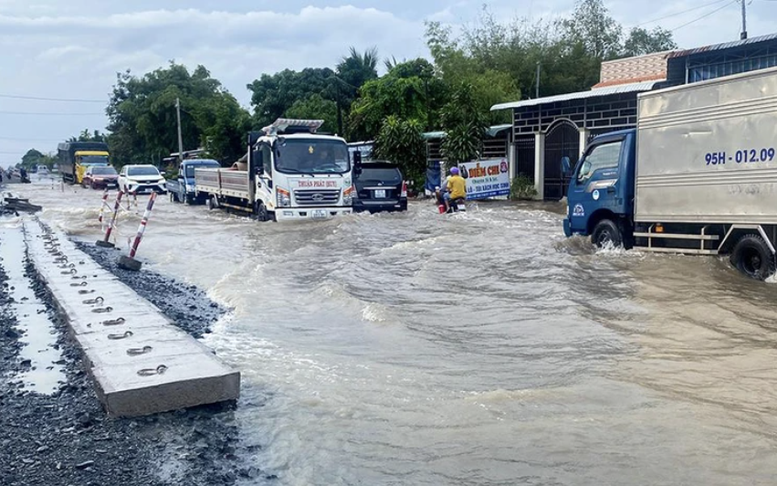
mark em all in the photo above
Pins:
pixel 546 129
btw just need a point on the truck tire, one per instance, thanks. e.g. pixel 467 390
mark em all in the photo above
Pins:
pixel 190 200
pixel 260 211
pixel 606 231
pixel 753 257
pixel 172 197
pixel 209 203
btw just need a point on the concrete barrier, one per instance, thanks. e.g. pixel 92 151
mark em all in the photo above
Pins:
pixel 140 362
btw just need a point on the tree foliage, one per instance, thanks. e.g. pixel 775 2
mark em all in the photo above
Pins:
pixel 35 157
pixel 464 124
pixel 87 136
pixel 143 116
pixel 273 95
pixel 642 41
pixel 410 91
pixel 315 107
pixel 401 141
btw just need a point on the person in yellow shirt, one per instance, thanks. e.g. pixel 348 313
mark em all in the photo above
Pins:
pixel 457 188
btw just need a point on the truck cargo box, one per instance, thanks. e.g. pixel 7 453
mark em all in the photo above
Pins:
pixel 706 152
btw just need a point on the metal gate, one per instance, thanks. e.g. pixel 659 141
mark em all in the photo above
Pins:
pixel 563 140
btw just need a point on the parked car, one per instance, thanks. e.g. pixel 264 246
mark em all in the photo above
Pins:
pixel 139 179
pixel 380 187
pixel 98 176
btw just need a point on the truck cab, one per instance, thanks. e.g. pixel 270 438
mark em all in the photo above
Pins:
pixel 184 191
pixel 600 200
pixel 299 174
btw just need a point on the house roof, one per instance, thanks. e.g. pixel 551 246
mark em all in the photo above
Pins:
pixel 725 45
pixel 593 93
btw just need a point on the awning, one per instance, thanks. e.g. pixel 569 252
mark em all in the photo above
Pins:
pixel 609 90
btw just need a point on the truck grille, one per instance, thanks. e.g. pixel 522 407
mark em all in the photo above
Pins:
pixel 314 197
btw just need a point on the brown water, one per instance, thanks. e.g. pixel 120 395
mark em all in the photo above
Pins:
pixel 483 348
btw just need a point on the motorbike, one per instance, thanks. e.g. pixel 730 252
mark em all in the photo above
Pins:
pixel 457 205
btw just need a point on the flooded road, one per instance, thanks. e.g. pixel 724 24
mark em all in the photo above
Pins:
pixel 482 348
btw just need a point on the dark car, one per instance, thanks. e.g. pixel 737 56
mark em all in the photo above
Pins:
pixel 380 187
pixel 97 176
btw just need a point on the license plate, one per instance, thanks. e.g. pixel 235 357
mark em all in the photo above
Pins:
pixel 319 214
pixel 380 194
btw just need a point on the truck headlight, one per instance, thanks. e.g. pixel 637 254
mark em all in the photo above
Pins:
pixel 283 197
pixel 348 195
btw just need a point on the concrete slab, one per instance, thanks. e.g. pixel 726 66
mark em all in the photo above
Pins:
pixel 141 363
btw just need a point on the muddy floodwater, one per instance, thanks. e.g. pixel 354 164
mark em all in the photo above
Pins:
pixel 478 349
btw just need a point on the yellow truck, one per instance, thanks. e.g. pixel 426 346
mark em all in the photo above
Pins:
pixel 76 157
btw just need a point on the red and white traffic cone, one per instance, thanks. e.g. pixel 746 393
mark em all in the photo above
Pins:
pixel 129 262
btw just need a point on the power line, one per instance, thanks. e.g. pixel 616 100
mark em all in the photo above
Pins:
pixel 705 15
pixel 681 13
pixel 39 98
pixel 48 114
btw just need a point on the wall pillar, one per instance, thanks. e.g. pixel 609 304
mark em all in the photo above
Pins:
pixel 584 134
pixel 511 162
pixel 539 165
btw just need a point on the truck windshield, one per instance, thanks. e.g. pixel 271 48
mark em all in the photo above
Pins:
pixel 312 157
pixel 93 160
pixel 209 165
pixel 604 156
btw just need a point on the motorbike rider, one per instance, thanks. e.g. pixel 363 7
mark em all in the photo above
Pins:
pixel 457 189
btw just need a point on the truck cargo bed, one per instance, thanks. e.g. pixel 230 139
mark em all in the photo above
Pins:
pixel 706 152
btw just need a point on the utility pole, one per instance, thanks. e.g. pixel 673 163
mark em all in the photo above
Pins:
pixel 537 87
pixel 743 35
pixel 180 137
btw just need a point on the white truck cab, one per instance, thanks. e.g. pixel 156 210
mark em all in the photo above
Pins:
pixel 288 173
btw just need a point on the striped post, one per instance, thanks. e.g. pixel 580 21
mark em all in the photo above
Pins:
pixel 116 208
pixel 143 223
pixel 103 206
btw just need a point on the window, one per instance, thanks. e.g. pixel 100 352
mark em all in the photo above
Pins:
pixel 143 171
pixel 267 158
pixel 605 156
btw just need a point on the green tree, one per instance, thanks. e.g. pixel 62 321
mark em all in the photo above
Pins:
pixel 143 121
pixel 410 91
pixel 402 142
pixel 464 124
pixel 315 107
pixel 87 136
pixel 273 94
pixel 32 158
pixel 642 41
pixel 592 27
pixel 489 83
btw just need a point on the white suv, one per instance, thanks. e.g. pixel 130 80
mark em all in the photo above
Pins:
pixel 139 179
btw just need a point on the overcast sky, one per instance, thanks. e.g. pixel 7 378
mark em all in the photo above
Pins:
pixel 73 49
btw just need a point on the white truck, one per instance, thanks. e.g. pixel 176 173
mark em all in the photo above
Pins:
pixel 289 173
pixel 697 176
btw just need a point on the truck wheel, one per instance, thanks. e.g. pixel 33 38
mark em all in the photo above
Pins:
pixel 171 197
pixel 753 257
pixel 190 199
pixel 209 203
pixel 261 211
pixel 606 231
